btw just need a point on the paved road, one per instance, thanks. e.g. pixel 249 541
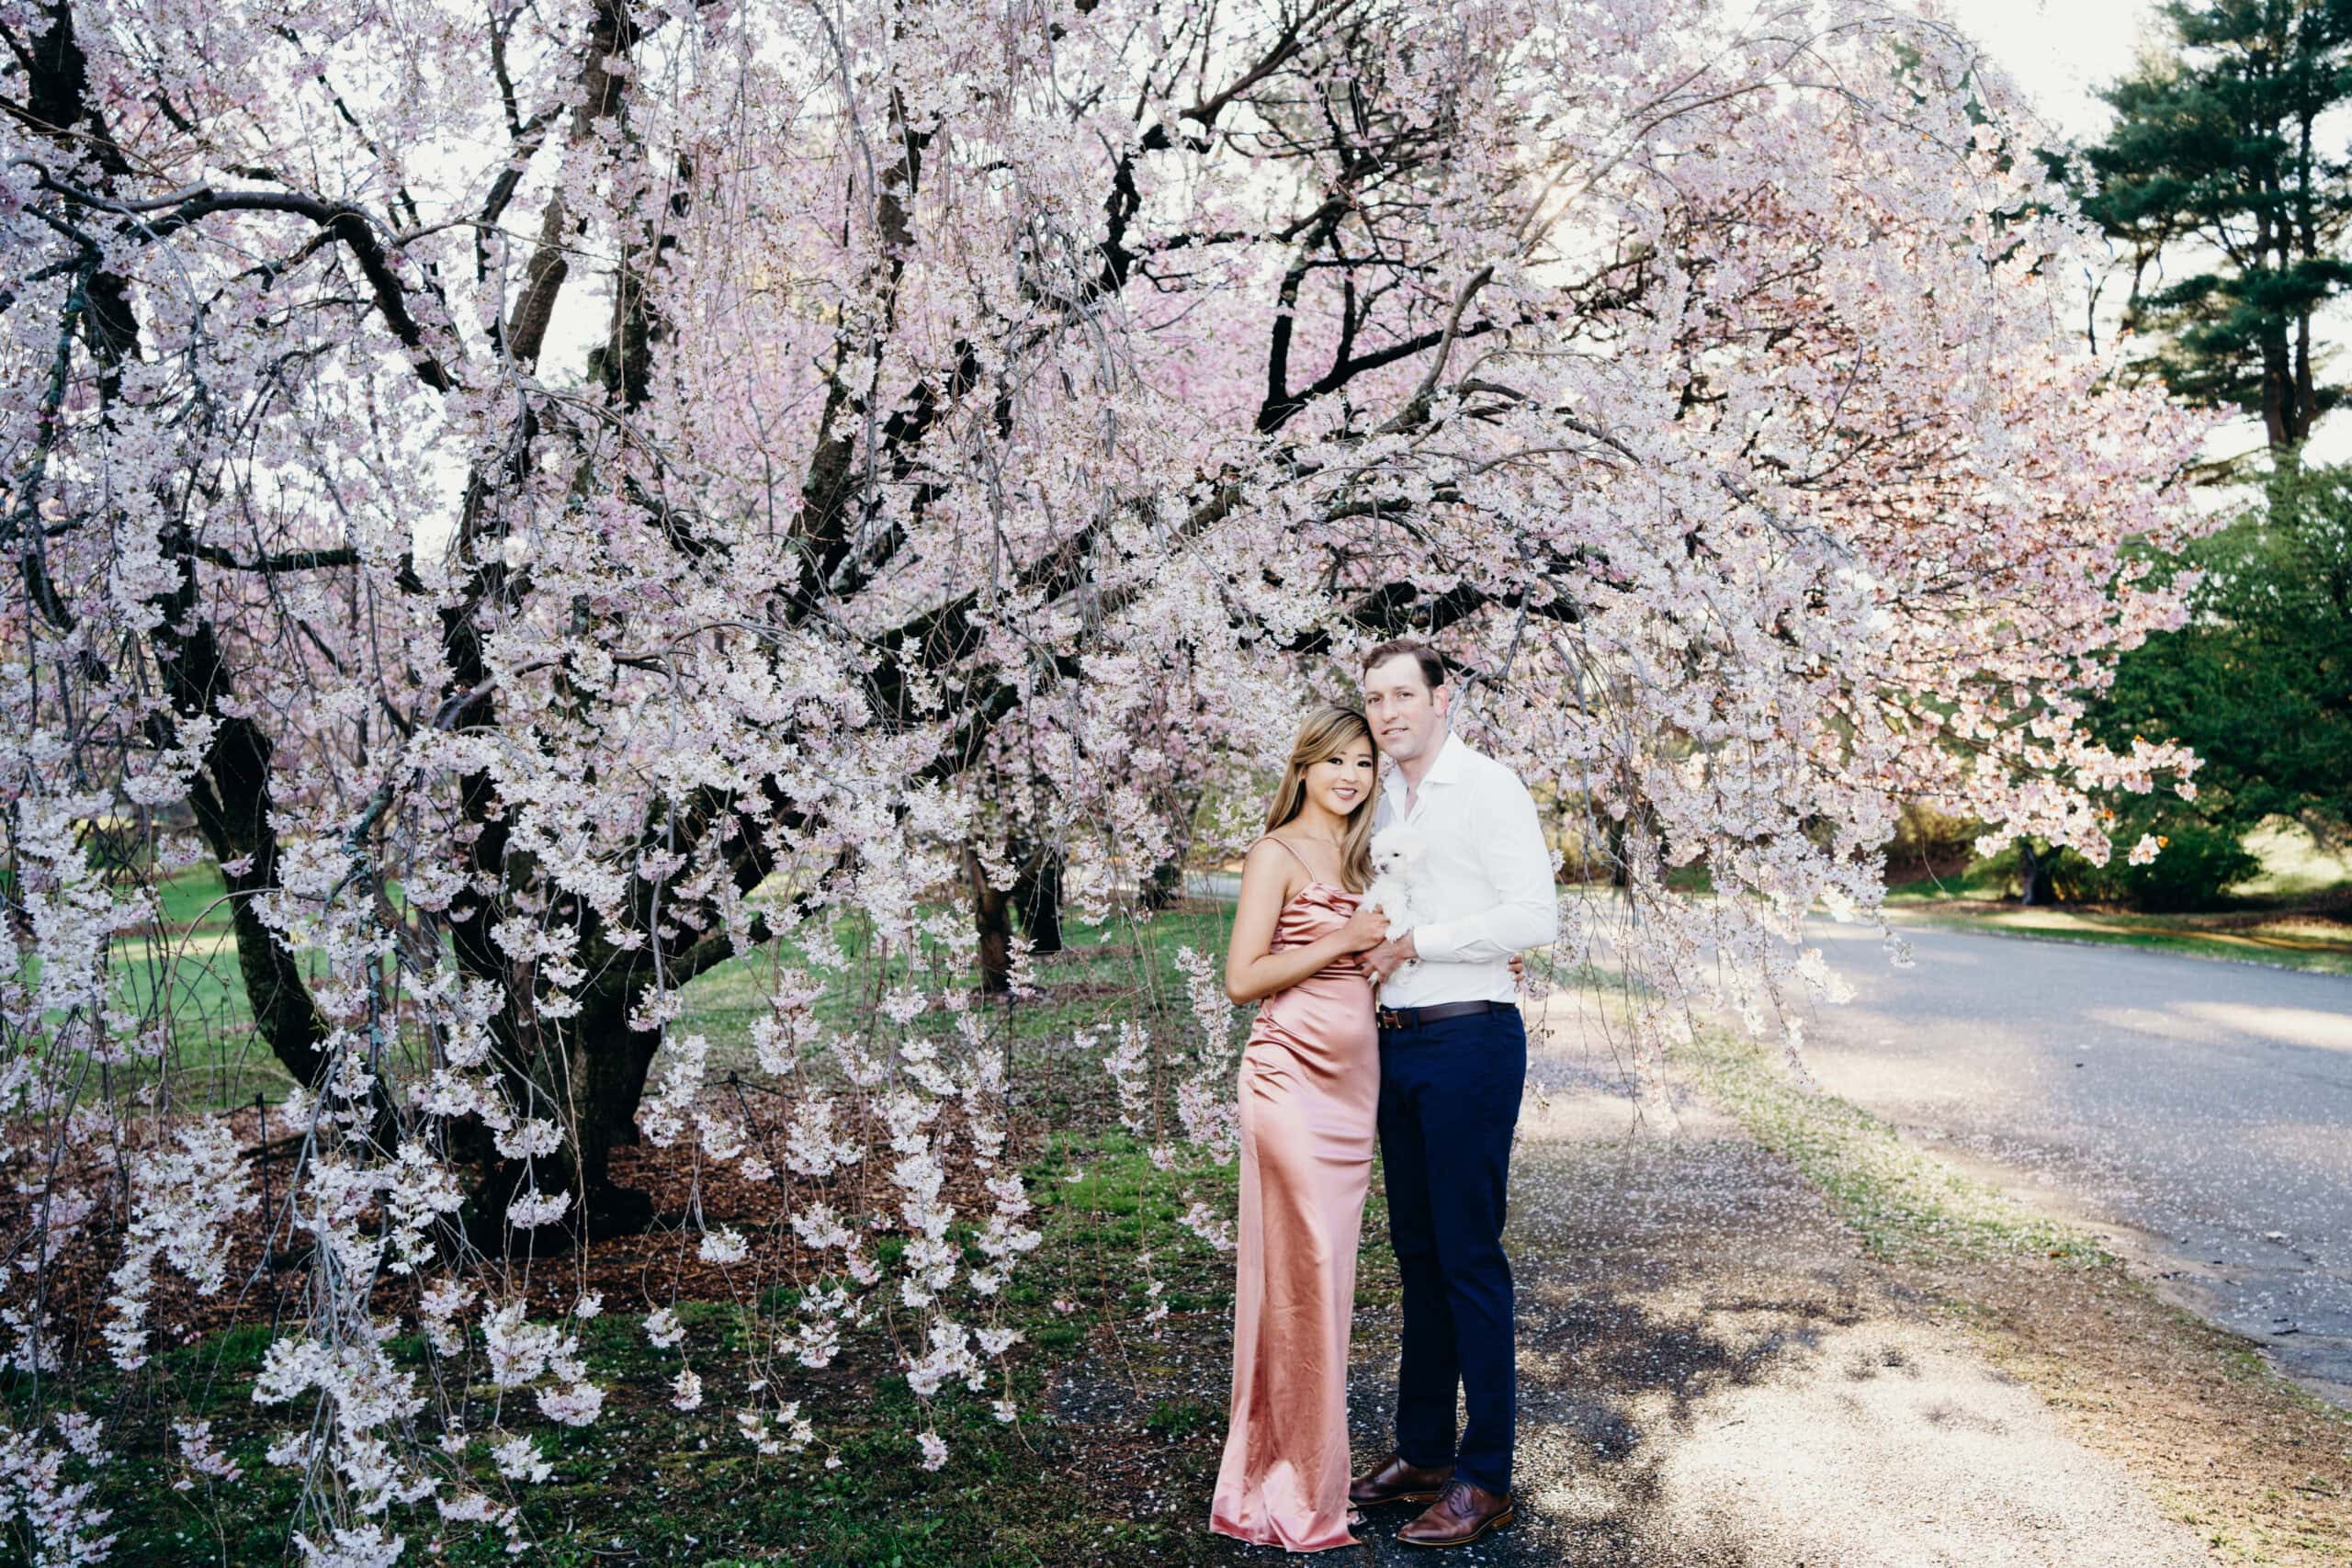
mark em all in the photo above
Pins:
pixel 2199 1112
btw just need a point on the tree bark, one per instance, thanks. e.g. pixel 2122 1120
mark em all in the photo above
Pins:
pixel 1162 885
pixel 1037 899
pixel 992 916
pixel 231 797
pixel 2034 873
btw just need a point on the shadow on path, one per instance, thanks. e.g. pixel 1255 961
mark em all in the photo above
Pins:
pixel 1711 1376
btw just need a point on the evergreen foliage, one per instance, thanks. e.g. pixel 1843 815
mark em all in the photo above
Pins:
pixel 2220 177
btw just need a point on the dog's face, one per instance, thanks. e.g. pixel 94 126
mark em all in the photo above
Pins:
pixel 1396 851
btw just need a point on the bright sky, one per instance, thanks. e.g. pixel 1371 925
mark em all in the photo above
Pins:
pixel 2059 49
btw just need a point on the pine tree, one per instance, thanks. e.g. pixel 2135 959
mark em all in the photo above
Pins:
pixel 2218 175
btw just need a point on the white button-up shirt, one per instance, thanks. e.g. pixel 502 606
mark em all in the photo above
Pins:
pixel 1485 887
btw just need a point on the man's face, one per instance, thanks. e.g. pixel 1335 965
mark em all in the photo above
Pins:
pixel 1407 718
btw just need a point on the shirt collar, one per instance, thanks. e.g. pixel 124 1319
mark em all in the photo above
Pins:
pixel 1446 769
pixel 1448 765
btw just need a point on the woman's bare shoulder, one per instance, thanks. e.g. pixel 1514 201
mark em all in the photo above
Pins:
pixel 1268 852
pixel 1274 864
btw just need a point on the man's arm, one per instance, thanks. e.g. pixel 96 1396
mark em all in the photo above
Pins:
pixel 1518 866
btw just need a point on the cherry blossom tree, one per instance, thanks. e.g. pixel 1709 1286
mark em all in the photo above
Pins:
pixel 563 497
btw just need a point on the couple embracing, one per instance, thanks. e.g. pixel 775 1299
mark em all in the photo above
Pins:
pixel 1414 1036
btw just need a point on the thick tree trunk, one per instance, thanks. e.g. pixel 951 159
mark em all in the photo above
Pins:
pixel 1165 881
pixel 2278 391
pixel 1163 886
pixel 2308 249
pixel 992 916
pixel 2034 873
pixel 599 1077
pixel 610 1070
pixel 233 806
pixel 609 1063
pixel 1037 899
pixel 1620 870
pixel 2306 393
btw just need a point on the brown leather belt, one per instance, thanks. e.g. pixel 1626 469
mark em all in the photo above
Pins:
pixel 1413 1018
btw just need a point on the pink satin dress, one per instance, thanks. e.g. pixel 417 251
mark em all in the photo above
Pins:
pixel 1310 1093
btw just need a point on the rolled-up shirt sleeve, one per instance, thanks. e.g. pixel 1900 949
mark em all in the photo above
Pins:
pixel 1518 865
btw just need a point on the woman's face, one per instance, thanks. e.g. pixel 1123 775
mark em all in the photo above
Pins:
pixel 1341 781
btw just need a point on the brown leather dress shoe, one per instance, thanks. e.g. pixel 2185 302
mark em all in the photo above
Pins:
pixel 1464 1511
pixel 1393 1481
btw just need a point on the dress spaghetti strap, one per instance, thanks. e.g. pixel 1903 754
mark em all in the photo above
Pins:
pixel 1294 854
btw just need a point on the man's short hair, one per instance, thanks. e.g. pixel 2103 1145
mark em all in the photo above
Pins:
pixel 1431 661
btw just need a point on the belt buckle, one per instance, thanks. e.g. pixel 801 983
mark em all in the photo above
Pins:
pixel 1389 1017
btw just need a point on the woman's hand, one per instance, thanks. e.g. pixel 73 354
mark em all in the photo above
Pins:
pixel 1365 930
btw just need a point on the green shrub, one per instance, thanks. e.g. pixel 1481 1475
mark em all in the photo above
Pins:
pixel 2198 863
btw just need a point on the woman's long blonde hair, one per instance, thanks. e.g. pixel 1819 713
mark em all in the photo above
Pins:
pixel 1321 734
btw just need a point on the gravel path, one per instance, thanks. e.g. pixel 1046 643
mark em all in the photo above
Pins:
pixel 1712 1376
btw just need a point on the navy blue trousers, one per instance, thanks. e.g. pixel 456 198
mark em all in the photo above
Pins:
pixel 1449 1102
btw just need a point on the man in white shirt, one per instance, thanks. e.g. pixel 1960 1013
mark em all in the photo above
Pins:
pixel 1453 1061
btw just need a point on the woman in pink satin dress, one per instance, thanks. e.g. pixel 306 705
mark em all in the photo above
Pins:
pixel 1309 1090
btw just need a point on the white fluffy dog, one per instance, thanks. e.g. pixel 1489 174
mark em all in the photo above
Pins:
pixel 1398 889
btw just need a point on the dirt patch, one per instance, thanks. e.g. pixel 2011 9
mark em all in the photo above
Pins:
pixel 2262 1471
pixel 268 1277
pixel 1719 1376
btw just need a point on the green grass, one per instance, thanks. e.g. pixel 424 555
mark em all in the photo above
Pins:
pixel 2285 939
pixel 2260 921
pixel 2293 862
pixel 1976 880
pixel 195 897
pixel 188 969
pixel 1104 971
pixel 1905 1205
